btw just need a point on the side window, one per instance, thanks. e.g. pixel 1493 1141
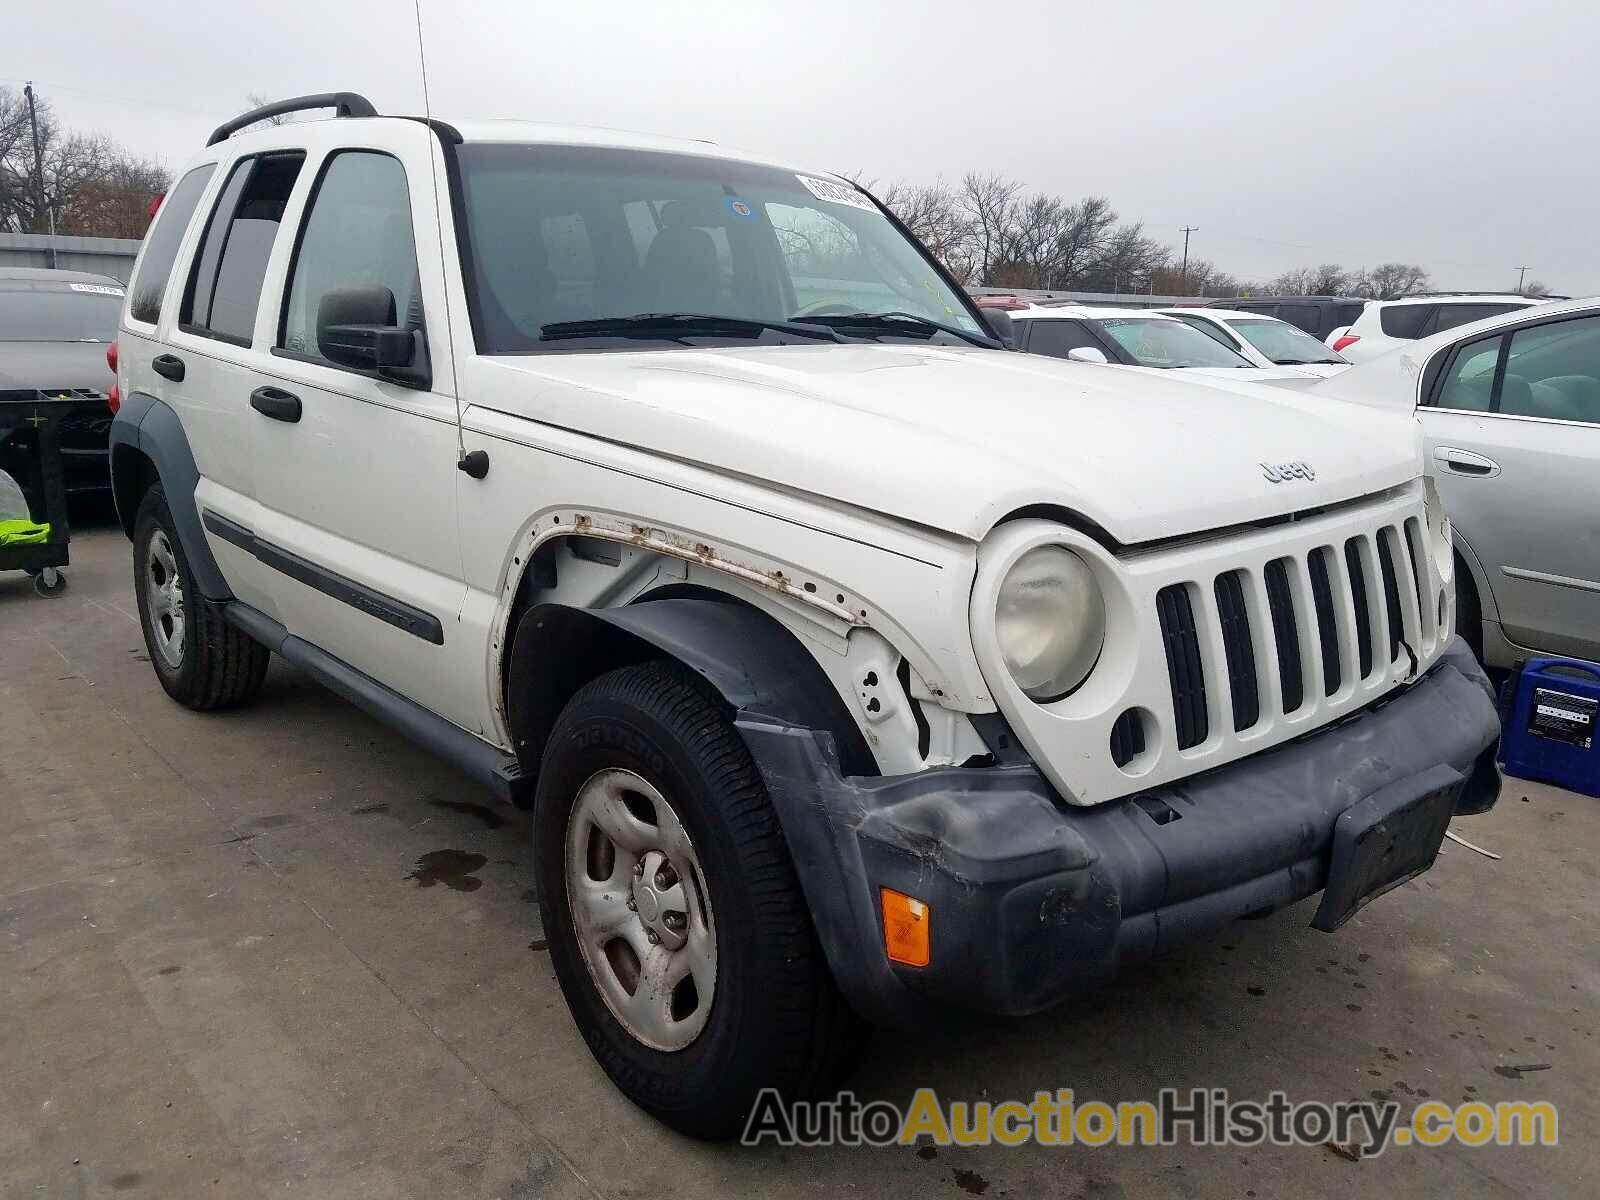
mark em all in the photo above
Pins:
pixel 1553 371
pixel 1453 315
pixel 1469 381
pixel 1211 330
pixel 1404 320
pixel 357 234
pixel 224 289
pixel 1055 338
pixel 161 246
pixel 1301 316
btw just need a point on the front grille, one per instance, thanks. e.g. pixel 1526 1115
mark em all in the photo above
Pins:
pixel 1241 655
pixel 1358 596
pixel 1391 593
pixel 1327 630
pixel 1285 634
pixel 1333 587
pixel 1182 640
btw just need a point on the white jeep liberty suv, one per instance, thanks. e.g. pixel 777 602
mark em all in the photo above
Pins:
pixel 853 666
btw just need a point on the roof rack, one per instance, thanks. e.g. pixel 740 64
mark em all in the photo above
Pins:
pixel 344 104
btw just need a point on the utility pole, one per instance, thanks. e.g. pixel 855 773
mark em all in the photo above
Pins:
pixel 38 175
pixel 1183 275
pixel 1522 273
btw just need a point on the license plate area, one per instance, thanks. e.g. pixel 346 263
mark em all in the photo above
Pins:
pixel 1383 841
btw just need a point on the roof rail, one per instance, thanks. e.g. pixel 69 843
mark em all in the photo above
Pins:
pixel 344 104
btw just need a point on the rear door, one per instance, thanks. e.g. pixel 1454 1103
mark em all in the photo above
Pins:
pixel 208 356
pixel 357 477
pixel 1513 430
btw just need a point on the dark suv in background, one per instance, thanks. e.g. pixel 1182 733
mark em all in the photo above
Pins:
pixel 1317 315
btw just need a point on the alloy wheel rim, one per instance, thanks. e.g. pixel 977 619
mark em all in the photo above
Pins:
pixel 640 909
pixel 164 593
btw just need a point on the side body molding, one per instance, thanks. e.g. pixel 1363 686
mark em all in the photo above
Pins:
pixel 147 425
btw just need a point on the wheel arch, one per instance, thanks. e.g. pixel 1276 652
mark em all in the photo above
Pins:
pixel 148 445
pixel 755 664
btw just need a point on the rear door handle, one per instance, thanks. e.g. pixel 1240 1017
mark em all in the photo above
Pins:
pixel 276 403
pixel 168 365
pixel 1464 462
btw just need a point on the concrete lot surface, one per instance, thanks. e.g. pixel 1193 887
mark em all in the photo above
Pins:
pixel 281 952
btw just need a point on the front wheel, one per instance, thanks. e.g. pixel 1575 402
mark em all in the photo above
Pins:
pixel 677 926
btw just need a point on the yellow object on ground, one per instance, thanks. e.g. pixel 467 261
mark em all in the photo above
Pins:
pixel 23 533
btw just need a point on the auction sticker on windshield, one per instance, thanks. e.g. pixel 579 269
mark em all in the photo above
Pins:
pixel 96 288
pixel 836 193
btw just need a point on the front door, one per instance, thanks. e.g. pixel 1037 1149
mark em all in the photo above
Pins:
pixel 1513 432
pixel 357 468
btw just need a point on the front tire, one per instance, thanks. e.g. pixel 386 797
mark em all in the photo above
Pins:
pixel 202 662
pixel 677 926
pixel 1469 612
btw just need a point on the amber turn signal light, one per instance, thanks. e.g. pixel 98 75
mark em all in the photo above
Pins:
pixel 905 928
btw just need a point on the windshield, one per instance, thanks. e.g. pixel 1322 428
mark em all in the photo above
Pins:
pixel 561 234
pixel 1164 342
pixel 1283 343
pixel 53 316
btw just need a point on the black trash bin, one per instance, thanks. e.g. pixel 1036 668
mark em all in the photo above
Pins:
pixel 30 451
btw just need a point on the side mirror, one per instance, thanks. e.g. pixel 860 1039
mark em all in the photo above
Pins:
pixel 1088 354
pixel 356 328
pixel 1001 326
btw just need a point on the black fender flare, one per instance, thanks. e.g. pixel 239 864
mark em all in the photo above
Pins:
pixel 759 668
pixel 149 427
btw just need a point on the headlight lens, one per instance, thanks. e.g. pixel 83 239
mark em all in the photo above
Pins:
pixel 1050 621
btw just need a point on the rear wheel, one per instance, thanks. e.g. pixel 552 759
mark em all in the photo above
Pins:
pixel 676 923
pixel 201 660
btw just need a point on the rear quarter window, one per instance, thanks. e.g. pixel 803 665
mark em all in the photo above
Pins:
pixel 161 245
pixel 1404 320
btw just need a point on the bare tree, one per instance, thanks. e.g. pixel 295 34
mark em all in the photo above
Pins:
pixel 1390 281
pixel 989 203
pixel 90 184
pixel 933 215
pixel 1535 289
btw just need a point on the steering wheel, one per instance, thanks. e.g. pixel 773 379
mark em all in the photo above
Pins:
pixel 826 308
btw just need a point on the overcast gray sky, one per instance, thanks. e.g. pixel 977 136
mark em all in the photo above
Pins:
pixel 1458 135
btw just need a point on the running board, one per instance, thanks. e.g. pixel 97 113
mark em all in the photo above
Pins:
pixel 493 768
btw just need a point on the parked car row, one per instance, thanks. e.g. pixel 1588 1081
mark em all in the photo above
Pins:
pixel 1510 409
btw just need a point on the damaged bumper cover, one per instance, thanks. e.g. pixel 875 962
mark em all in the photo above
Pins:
pixel 1032 900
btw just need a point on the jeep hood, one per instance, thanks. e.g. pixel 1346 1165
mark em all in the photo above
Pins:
pixel 958 438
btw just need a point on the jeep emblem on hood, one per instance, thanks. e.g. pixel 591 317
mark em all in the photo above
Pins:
pixel 1283 472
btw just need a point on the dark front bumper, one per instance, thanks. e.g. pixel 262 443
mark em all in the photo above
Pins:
pixel 1032 899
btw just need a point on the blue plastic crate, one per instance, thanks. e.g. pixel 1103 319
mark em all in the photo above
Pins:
pixel 1550 727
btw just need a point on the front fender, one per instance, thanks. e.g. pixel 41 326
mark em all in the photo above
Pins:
pixel 757 666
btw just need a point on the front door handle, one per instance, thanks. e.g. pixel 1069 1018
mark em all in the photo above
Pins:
pixel 276 403
pixel 1464 462
pixel 169 366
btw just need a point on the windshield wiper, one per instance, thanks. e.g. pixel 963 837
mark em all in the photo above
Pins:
pixel 896 319
pixel 1304 362
pixel 678 324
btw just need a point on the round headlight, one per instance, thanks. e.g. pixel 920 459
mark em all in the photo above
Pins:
pixel 1050 621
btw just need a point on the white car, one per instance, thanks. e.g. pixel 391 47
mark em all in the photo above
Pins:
pixel 852 665
pixel 1137 337
pixel 1263 341
pixel 1386 325
pixel 1510 410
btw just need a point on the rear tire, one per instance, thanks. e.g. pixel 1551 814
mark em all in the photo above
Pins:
pixel 202 662
pixel 648 736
